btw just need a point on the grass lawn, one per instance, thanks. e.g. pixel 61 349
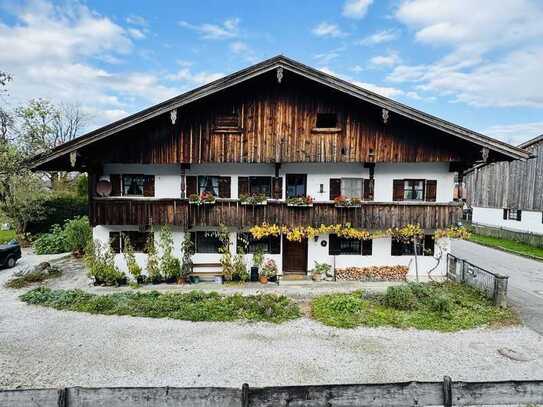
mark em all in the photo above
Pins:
pixel 192 306
pixel 443 307
pixel 508 245
pixel 6 235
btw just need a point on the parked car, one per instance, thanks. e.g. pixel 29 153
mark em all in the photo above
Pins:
pixel 10 253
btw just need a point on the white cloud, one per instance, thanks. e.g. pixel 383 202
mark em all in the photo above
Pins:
pixel 325 29
pixel 516 133
pixel 495 52
pixel 356 8
pixel 228 29
pixel 379 37
pixel 245 51
pixel 389 59
pixel 195 79
pixel 326 57
pixel 136 33
pixel 137 20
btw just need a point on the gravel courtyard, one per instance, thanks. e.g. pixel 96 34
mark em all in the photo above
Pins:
pixel 41 347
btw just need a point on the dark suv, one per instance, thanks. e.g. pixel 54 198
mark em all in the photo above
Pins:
pixel 9 254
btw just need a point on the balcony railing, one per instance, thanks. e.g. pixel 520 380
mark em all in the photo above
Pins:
pixel 370 215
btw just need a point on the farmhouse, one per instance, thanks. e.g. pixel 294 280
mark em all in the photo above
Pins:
pixel 508 196
pixel 278 143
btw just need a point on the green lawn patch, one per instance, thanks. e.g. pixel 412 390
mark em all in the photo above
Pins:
pixel 508 245
pixel 443 307
pixel 6 235
pixel 191 306
pixel 33 277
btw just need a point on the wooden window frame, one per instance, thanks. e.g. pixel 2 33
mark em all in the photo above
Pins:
pixel 327 129
pixel 272 243
pixel 195 239
pixel 119 237
pixel 425 247
pixel 414 181
pixel 512 214
pixel 286 184
pixel 365 247
pixel 233 120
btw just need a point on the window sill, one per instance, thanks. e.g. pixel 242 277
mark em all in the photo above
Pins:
pixel 226 130
pixel 326 130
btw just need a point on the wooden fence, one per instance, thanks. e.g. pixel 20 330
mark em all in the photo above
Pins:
pixel 445 393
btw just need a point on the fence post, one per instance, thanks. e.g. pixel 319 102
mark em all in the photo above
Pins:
pixel 62 399
pixel 447 391
pixel 245 395
pixel 500 290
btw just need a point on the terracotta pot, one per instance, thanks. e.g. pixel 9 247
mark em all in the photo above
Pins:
pixel 263 279
pixel 316 277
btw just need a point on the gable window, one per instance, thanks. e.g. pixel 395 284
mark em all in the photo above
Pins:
pixel 341 245
pixel 351 187
pixel 326 121
pixel 512 214
pixel 209 184
pixel 402 247
pixel 206 242
pixel 138 241
pixel 269 244
pixel 227 121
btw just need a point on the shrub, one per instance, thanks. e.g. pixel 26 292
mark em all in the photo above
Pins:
pixel 58 208
pixel 240 268
pixel 73 237
pixel 101 264
pixel 128 252
pixel 420 290
pixel 441 303
pixel 400 297
pixel 345 303
pixel 187 250
pixel 52 242
pixel 170 267
pixel 153 267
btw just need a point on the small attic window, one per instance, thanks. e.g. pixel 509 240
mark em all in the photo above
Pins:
pixel 326 121
pixel 227 121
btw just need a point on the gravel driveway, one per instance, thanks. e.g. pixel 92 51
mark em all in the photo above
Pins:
pixel 41 347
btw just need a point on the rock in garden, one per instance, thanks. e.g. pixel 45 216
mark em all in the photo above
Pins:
pixel 43 266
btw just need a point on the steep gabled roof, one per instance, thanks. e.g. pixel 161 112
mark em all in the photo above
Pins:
pixel 531 142
pixel 300 69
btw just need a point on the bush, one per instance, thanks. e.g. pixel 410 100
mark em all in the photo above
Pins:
pixel 129 256
pixel 441 303
pixel 73 237
pixel 400 297
pixel 58 208
pixel 101 264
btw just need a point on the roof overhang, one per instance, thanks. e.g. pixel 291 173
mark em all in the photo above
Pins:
pixel 280 61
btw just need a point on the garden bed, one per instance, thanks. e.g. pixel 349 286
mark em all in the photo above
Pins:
pixel 191 306
pixel 442 307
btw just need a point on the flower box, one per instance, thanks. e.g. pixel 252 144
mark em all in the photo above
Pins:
pixel 344 202
pixel 300 201
pixel 254 199
pixel 203 199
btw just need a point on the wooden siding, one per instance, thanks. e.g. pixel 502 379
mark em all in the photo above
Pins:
pixel 277 125
pixel 515 184
pixel 371 215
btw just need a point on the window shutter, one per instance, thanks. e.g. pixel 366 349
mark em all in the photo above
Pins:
pixel 367 247
pixel 277 188
pixel 192 185
pixel 505 213
pixel 243 186
pixel 519 214
pixel 275 244
pixel 431 190
pixel 368 189
pixel 335 188
pixel 224 187
pixel 428 245
pixel 149 185
pixel 333 245
pixel 398 190
pixel 115 180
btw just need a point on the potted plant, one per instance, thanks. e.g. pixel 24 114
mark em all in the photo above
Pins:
pixel 187 250
pixel 130 257
pixel 344 202
pixel 269 269
pixel 300 201
pixel 319 270
pixel 258 259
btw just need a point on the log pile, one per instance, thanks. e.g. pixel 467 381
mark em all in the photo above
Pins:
pixel 372 273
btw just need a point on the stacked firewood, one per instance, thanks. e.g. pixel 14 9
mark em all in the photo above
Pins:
pixel 372 273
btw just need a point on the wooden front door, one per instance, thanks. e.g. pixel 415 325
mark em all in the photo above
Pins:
pixel 294 256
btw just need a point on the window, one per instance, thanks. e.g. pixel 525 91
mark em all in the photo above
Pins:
pixel 401 247
pixel 326 121
pixel 209 184
pixel 260 185
pixel 133 185
pixel 512 214
pixel 413 190
pixel 296 185
pixel 269 244
pixel 207 242
pixel 138 240
pixel 340 245
pixel 351 187
pixel 227 121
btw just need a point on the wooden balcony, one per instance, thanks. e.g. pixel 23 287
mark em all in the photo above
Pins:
pixel 371 215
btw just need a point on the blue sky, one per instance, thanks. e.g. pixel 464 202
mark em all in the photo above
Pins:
pixel 469 62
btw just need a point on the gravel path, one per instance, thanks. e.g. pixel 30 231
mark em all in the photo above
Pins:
pixel 41 347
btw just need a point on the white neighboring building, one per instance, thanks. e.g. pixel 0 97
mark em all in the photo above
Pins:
pixel 509 195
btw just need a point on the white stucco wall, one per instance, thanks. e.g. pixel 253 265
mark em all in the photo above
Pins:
pixel 531 222
pixel 168 178
pixel 316 253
